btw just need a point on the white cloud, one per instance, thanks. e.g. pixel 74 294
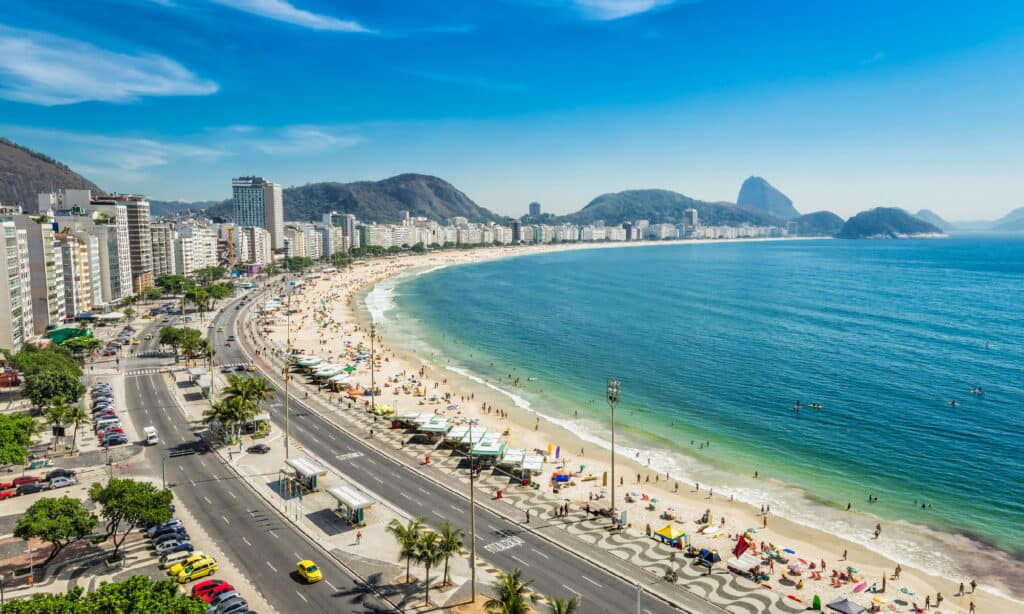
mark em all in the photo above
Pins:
pixel 617 9
pixel 282 10
pixel 46 69
pixel 300 140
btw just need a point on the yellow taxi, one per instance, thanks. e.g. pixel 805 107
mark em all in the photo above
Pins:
pixel 177 568
pixel 220 329
pixel 136 342
pixel 309 571
pixel 250 367
pixel 198 570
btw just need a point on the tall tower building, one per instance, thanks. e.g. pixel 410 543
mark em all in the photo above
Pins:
pixel 534 209
pixel 140 242
pixel 259 203
pixel 15 283
pixel 46 272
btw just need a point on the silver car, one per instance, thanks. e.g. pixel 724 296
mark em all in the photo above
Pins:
pixel 61 482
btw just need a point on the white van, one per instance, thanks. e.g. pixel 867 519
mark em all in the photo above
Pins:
pixel 151 437
pixel 105 422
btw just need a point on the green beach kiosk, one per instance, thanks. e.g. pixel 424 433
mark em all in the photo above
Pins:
pixel 307 472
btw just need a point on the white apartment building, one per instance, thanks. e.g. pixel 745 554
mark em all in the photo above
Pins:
pixel 46 272
pixel 15 293
pixel 83 290
pixel 163 236
pixel 195 247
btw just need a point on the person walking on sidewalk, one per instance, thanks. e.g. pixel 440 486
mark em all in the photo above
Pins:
pixel 359 537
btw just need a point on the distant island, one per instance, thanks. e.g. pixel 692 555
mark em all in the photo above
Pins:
pixel 886 223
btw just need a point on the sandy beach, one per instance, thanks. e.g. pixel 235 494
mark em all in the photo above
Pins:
pixel 330 314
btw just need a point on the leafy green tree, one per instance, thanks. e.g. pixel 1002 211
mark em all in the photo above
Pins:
pixel 174 284
pixel 298 263
pixel 82 344
pixel 128 312
pixel 407 536
pixel 210 274
pixel 126 504
pixel 44 388
pixel 31 360
pixel 511 598
pixel 16 431
pixel 339 259
pixel 451 544
pixel 172 336
pixel 152 293
pixel 419 248
pixel 191 342
pixel 136 595
pixel 60 522
pixel 429 553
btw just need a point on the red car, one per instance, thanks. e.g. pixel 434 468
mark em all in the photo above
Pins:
pixel 105 432
pixel 211 591
pixel 6 485
pixel 7 493
pixel 25 479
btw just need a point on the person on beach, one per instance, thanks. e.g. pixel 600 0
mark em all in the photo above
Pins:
pixel 974 586
pixel 844 556
pixel 970 608
pixel 960 593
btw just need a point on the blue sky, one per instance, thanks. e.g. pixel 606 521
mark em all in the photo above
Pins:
pixel 842 105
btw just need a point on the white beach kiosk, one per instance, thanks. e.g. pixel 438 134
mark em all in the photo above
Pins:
pixel 306 472
pixel 352 503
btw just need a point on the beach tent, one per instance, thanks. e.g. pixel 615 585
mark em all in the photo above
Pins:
pixel 845 606
pixel 489 447
pixel 743 563
pixel 457 433
pixel 669 534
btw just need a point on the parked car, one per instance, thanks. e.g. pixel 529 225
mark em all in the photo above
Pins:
pixel 62 482
pixel 25 479
pixel 206 586
pixel 170 560
pixel 173 545
pixel 61 473
pixel 240 368
pixel 153 530
pixel 224 597
pixel 30 488
pixel 199 570
pixel 189 561
pixel 260 448
pixel 236 606
pixel 113 430
pixel 116 440
pixel 4 494
pixel 162 534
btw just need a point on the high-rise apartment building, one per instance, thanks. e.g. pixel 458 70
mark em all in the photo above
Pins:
pixel 15 282
pixel 162 236
pixel 259 203
pixel 534 209
pixel 108 222
pixel 195 248
pixel 80 255
pixel 46 272
pixel 140 243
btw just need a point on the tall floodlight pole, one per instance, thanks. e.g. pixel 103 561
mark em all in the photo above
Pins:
pixel 373 368
pixel 472 522
pixel 287 369
pixel 613 398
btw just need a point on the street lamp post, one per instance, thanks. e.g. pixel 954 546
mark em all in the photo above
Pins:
pixel 472 522
pixel 287 374
pixel 613 398
pixel 373 367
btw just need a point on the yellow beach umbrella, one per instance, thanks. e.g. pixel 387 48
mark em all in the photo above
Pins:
pixel 879 600
pixel 549 449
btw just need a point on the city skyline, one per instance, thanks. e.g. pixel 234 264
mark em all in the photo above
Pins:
pixel 529 101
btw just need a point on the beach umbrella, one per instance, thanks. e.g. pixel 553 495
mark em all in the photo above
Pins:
pixel 879 600
pixel 789 551
pixel 802 561
pixel 852 569
pixel 796 567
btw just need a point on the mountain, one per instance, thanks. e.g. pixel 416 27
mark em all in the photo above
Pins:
pixel 25 173
pixel 818 224
pixel 1011 222
pixel 376 201
pixel 171 208
pixel 885 223
pixel 759 195
pixel 934 219
pixel 663 206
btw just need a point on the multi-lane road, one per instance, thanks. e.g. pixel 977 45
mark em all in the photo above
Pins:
pixel 557 572
pixel 263 545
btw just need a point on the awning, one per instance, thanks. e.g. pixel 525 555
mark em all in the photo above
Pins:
pixel 264 417
pixel 745 562
pixel 478 435
pixel 306 467
pixel 440 425
pixel 204 381
pixel 845 606
pixel 196 371
pixel 351 497
pixel 457 433
pixel 488 447
pixel 513 457
pixel 533 463
pixel 670 531
pixel 113 315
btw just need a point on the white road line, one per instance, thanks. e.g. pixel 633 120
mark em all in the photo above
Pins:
pixel 208 502
pixel 646 611
pixel 371 461
pixel 333 438
pixel 591 581
pixel 378 479
pixel 333 588
pixel 180 468
pixel 301 596
pixel 226 520
pixel 541 553
pixel 406 496
pixel 246 541
pixel 272 568
pixel 454 507
pixel 232 495
pixel 568 588
pixel 274 534
pixel 521 561
pixel 423 490
pixel 492 527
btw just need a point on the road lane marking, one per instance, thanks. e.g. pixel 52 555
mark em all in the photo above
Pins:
pixel 297 555
pixel 371 461
pixel 406 496
pixel 454 507
pixel 232 495
pixel 591 581
pixel 301 596
pixel 272 568
pixel 226 520
pixel 378 479
pixel 208 502
pixel 246 541
pixel 180 468
pixel 521 561
pixel 274 534
pixel 333 588
pixel 568 588
pixel 423 490
pixel 541 553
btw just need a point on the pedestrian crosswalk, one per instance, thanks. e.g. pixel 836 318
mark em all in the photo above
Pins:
pixel 146 371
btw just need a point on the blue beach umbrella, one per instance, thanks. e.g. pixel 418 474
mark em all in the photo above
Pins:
pixel 789 551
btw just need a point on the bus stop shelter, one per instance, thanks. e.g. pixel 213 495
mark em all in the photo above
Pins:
pixel 352 503
pixel 307 472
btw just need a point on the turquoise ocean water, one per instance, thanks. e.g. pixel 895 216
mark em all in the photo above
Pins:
pixel 716 343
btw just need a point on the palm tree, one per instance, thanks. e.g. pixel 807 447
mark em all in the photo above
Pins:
pixel 229 412
pixel 564 606
pixel 429 552
pixel 56 414
pixel 451 543
pixel 407 536
pixel 511 597
pixel 76 415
